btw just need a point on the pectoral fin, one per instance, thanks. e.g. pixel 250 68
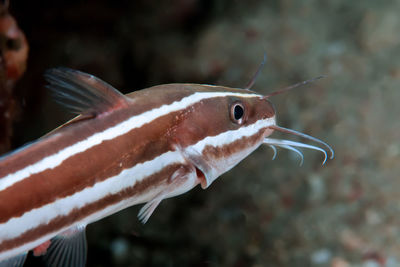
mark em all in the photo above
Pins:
pixel 67 249
pixel 17 261
pixel 181 181
pixel 148 209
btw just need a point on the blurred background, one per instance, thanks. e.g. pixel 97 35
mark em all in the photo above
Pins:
pixel 263 212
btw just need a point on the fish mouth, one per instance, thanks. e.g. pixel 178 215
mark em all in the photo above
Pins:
pixel 202 178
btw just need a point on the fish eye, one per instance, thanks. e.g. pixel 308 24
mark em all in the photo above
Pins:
pixel 237 113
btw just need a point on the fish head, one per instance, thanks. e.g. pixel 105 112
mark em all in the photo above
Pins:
pixel 219 131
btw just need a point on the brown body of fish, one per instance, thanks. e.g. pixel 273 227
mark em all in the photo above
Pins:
pixel 120 151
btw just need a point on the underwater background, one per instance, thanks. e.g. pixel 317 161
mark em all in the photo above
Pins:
pixel 263 212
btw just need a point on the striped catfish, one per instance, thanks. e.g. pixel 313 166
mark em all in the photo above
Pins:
pixel 122 150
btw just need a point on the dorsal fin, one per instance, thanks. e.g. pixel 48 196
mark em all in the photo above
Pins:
pixel 83 93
